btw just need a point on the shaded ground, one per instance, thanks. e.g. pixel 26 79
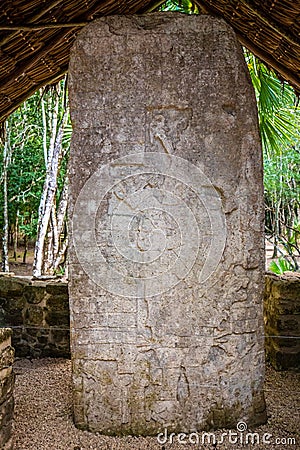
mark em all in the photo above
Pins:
pixel 20 269
pixel 16 265
pixel 43 413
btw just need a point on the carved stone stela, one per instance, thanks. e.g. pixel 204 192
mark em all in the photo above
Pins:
pixel 166 220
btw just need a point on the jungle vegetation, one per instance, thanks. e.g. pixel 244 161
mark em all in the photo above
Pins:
pixel 34 181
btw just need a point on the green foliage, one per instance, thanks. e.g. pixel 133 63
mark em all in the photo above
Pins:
pixel 280 266
pixel 60 272
pixel 279 121
pixel 282 178
pixel 27 170
pixel 279 118
pixel 184 6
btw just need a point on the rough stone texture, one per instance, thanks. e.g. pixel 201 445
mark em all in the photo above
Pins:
pixel 282 320
pixel 149 353
pixel 7 379
pixel 38 312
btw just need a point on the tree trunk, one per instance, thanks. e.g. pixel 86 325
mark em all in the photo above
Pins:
pixel 25 249
pixel 51 213
pixel 6 155
pixel 15 236
pixel 48 199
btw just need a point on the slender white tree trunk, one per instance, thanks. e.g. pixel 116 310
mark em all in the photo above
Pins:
pixel 15 235
pixel 49 250
pixel 6 157
pixel 61 248
pixel 62 207
pixel 48 196
pixel 45 148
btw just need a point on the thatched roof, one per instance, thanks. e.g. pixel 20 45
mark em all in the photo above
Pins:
pixel 36 37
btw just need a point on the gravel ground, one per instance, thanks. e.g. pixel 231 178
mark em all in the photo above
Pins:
pixel 43 414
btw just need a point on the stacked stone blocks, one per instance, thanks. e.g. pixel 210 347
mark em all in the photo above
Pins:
pixel 282 320
pixel 38 312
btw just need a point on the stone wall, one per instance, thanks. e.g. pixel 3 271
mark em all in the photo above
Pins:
pixel 281 314
pixel 282 320
pixel 6 389
pixel 166 208
pixel 38 313
pixel 51 338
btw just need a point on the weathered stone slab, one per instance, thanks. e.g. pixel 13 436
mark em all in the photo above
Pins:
pixel 167 253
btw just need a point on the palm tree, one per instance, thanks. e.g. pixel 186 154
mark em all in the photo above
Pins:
pixel 277 111
pixel 279 122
